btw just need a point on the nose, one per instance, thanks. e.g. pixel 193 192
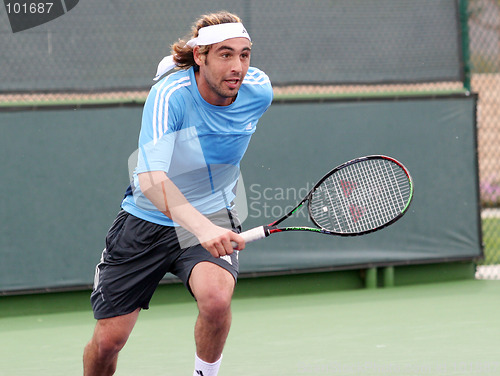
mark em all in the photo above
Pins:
pixel 237 65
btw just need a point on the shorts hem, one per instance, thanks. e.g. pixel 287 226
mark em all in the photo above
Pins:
pixel 233 274
pixel 109 315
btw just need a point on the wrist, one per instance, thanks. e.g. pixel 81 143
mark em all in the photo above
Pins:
pixel 199 225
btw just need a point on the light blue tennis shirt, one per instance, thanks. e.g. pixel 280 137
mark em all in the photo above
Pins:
pixel 197 144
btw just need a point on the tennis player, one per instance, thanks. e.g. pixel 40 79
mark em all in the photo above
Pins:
pixel 177 216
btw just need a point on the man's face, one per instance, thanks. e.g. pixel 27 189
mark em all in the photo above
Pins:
pixel 222 70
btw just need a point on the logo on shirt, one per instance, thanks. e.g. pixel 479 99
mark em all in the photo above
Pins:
pixel 249 127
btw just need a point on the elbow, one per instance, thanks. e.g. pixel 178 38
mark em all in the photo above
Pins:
pixel 151 179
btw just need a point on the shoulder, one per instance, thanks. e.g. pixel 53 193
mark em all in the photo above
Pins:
pixel 256 77
pixel 259 84
pixel 173 83
pixel 169 91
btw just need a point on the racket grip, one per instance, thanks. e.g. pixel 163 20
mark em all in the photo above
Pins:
pixel 252 235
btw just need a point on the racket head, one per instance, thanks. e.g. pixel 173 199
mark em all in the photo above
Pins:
pixel 361 196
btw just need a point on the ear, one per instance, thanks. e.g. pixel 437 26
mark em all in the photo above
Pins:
pixel 198 58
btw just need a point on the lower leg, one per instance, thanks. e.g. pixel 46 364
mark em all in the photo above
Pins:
pixel 95 365
pixel 210 336
pixel 213 288
pixel 110 335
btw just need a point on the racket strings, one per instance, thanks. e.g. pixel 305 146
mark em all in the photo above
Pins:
pixel 361 196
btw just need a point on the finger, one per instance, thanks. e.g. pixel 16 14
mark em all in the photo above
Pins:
pixel 237 242
pixel 211 248
pixel 228 246
pixel 219 249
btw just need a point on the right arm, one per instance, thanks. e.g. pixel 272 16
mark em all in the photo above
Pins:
pixel 155 155
pixel 169 200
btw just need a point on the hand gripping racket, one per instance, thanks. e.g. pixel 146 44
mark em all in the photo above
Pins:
pixel 358 197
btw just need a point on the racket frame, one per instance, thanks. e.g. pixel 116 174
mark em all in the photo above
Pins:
pixel 273 226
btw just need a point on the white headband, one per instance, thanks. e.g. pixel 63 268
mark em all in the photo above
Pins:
pixel 218 33
pixel 206 35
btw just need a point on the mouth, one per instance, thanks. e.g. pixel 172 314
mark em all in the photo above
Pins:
pixel 233 83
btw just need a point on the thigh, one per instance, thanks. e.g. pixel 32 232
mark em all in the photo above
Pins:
pixel 137 256
pixel 195 254
pixel 209 282
pixel 190 260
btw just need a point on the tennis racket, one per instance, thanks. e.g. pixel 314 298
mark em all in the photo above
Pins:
pixel 358 197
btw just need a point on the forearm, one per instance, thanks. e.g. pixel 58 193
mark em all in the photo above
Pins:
pixel 168 199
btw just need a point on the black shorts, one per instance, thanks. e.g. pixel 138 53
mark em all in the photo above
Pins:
pixel 139 253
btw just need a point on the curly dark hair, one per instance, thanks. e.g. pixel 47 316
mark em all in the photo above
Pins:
pixel 183 54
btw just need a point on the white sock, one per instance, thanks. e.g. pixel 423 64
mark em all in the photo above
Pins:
pixel 202 368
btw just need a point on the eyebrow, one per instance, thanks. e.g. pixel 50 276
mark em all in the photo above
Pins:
pixel 223 47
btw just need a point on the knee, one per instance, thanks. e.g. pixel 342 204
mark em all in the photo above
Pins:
pixel 108 345
pixel 215 305
pixel 213 289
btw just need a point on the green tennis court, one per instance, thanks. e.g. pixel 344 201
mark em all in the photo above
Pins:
pixel 308 324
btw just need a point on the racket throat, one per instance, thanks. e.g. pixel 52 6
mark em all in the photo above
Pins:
pixel 268 230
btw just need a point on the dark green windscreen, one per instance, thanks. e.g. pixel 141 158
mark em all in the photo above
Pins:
pixel 65 171
pixel 298 143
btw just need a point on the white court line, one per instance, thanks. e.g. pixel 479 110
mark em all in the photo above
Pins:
pixel 490 213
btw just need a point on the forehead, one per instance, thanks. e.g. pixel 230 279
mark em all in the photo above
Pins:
pixel 236 44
